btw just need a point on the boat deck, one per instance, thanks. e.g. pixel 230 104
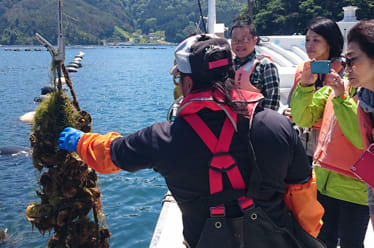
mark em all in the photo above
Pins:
pixel 168 231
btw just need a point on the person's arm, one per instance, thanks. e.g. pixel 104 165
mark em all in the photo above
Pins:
pixel 270 89
pixel 279 151
pixel 345 109
pixel 93 148
pixel 285 168
pixel 111 152
pixel 307 106
pixel 301 195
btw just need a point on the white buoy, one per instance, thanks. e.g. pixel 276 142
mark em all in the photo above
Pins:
pixel 80 55
pixel 27 117
pixel 72 69
pixel 63 81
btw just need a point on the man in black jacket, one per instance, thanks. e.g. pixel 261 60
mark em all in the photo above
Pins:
pixel 224 158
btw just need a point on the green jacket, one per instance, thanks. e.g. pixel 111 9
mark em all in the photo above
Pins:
pixel 307 108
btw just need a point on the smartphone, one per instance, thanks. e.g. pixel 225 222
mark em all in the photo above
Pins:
pixel 364 166
pixel 320 66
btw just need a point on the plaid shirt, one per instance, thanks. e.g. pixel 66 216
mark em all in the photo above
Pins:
pixel 264 77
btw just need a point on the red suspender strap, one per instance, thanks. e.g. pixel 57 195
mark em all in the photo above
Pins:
pixel 221 161
pixel 202 130
pixel 245 202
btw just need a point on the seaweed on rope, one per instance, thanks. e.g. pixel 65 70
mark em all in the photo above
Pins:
pixel 69 195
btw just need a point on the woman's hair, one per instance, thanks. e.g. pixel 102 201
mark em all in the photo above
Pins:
pixel 226 88
pixel 363 34
pixel 330 31
pixel 222 80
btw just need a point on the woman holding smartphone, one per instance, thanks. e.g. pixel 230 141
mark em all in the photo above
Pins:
pixel 360 69
pixel 323 42
pixel 326 101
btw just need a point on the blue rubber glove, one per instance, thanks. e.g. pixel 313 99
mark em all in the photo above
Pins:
pixel 69 139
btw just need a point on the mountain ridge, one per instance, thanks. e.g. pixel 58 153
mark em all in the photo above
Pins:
pixel 92 21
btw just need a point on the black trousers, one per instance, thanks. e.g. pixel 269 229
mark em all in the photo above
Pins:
pixel 345 221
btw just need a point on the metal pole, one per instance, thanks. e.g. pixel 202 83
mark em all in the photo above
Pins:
pixel 250 10
pixel 58 55
pixel 211 16
pixel 60 40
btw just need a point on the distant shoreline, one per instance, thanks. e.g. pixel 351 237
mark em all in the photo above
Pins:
pixel 27 48
pixel 109 45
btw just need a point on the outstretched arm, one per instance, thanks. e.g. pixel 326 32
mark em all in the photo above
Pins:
pixel 94 149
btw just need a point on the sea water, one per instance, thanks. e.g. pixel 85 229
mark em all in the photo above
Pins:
pixel 124 89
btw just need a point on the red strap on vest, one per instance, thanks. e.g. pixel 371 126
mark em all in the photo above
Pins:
pixel 222 161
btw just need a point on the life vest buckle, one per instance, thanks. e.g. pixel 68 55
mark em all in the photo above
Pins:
pixel 245 203
pixel 218 211
pixel 222 162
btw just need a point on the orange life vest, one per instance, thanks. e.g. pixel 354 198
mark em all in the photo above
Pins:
pixel 243 74
pixel 334 151
pixel 366 127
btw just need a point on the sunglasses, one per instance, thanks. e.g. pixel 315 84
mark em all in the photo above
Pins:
pixel 348 62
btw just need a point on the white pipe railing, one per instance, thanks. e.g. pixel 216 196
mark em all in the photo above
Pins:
pixel 211 16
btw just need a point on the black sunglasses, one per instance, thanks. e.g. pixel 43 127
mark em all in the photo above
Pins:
pixel 348 62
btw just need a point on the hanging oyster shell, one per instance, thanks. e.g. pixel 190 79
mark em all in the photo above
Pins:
pixel 68 188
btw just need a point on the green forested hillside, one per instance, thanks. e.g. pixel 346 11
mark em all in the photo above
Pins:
pixel 85 22
pixel 91 21
pixel 277 17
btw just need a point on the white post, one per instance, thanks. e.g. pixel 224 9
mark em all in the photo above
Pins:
pixel 348 22
pixel 350 14
pixel 211 16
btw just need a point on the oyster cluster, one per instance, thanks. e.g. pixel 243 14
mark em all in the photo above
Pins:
pixel 69 193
